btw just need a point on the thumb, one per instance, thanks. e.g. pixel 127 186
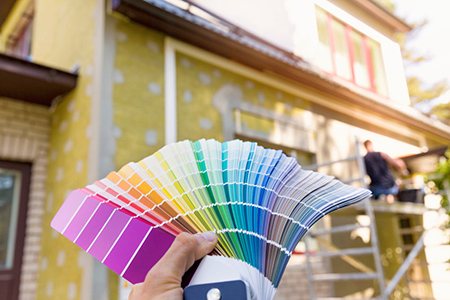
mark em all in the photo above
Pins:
pixel 163 281
pixel 182 254
pixel 184 251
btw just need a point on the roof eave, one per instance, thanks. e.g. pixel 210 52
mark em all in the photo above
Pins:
pixel 381 13
pixel 300 72
pixel 31 82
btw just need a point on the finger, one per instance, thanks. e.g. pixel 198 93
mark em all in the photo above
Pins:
pixel 163 281
pixel 185 250
pixel 133 290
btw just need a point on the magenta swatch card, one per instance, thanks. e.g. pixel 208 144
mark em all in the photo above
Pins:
pixel 128 245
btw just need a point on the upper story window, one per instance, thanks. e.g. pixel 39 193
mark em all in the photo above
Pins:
pixel 346 53
pixel 18 42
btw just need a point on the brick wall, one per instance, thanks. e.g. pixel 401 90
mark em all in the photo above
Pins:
pixel 24 136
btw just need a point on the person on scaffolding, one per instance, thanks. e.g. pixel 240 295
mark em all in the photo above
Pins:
pixel 381 179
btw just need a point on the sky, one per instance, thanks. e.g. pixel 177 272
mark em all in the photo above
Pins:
pixel 433 39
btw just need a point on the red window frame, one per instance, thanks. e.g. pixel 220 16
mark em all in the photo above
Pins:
pixel 351 53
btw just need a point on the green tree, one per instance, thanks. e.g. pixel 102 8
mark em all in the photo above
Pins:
pixel 442 112
pixel 419 92
pixel 441 178
pixel 387 5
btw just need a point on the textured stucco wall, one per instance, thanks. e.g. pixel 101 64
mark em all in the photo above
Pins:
pixel 138 93
pixel 61 266
pixel 137 102
pixel 63 36
pixel 200 109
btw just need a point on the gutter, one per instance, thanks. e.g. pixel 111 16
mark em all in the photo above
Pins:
pixel 224 39
pixel 31 82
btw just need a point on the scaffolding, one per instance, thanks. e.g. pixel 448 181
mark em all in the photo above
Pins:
pixel 412 235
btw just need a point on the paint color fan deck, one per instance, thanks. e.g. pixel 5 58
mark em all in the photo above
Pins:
pixel 259 201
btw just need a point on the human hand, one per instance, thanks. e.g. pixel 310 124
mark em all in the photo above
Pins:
pixel 163 281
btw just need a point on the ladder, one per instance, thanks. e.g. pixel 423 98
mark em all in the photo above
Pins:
pixel 348 255
pixel 418 281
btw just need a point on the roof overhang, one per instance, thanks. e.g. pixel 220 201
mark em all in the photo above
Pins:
pixel 31 82
pixel 425 162
pixel 383 15
pixel 240 46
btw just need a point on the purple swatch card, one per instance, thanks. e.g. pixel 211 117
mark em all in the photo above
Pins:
pixel 127 245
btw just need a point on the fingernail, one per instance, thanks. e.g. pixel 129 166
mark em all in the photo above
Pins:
pixel 208 235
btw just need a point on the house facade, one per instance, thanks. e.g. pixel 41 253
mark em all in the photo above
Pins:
pixel 307 77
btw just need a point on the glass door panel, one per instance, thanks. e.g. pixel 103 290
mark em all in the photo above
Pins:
pixel 14 189
pixel 9 204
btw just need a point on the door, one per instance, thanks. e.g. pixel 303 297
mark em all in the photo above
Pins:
pixel 14 189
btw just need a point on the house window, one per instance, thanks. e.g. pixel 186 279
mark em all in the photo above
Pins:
pixel 274 133
pixel 302 157
pixel 347 53
pixel 18 42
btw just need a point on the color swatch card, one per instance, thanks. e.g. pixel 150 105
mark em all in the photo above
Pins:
pixel 259 202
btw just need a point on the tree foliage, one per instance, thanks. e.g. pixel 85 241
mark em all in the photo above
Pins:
pixel 410 55
pixel 419 92
pixel 442 180
pixel 442 112
pixel 386 4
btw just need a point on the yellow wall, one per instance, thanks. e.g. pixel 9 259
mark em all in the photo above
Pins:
pixel 63 36
pixel 138 95
pixel 197 84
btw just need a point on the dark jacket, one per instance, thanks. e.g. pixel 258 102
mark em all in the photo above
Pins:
pixel 378 170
